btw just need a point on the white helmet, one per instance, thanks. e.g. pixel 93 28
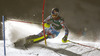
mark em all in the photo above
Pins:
pixel 55 11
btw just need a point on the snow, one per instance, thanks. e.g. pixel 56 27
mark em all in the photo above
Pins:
pixel 16 30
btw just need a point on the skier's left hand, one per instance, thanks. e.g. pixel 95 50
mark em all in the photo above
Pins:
pixel 64 39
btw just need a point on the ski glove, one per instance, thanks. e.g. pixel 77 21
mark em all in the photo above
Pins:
pixel 46 25
pixel 64 39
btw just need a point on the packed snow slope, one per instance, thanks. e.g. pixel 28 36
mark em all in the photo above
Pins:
pixel 16 30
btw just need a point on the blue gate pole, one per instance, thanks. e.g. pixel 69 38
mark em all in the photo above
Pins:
pixel 4 35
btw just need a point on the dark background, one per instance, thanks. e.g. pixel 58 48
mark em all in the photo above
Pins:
pixel 80 15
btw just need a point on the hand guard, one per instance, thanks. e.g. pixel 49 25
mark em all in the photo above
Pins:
pixel 46 25
pixel 64 39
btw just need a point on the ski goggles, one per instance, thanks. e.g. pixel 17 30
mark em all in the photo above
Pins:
pixel 54 13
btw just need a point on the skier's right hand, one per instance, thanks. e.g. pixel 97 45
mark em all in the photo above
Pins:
pixel 46 25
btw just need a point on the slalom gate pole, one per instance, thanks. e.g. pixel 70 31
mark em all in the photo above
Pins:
pixel 43 21
pixel 4 35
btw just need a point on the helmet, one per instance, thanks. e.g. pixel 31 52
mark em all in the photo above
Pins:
pixel 55 11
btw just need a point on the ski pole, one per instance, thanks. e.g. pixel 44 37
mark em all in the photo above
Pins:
pixel 43 21
pixel 4 35
pixel 84 45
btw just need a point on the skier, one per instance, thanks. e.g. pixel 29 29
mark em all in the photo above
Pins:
pixel 53 24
